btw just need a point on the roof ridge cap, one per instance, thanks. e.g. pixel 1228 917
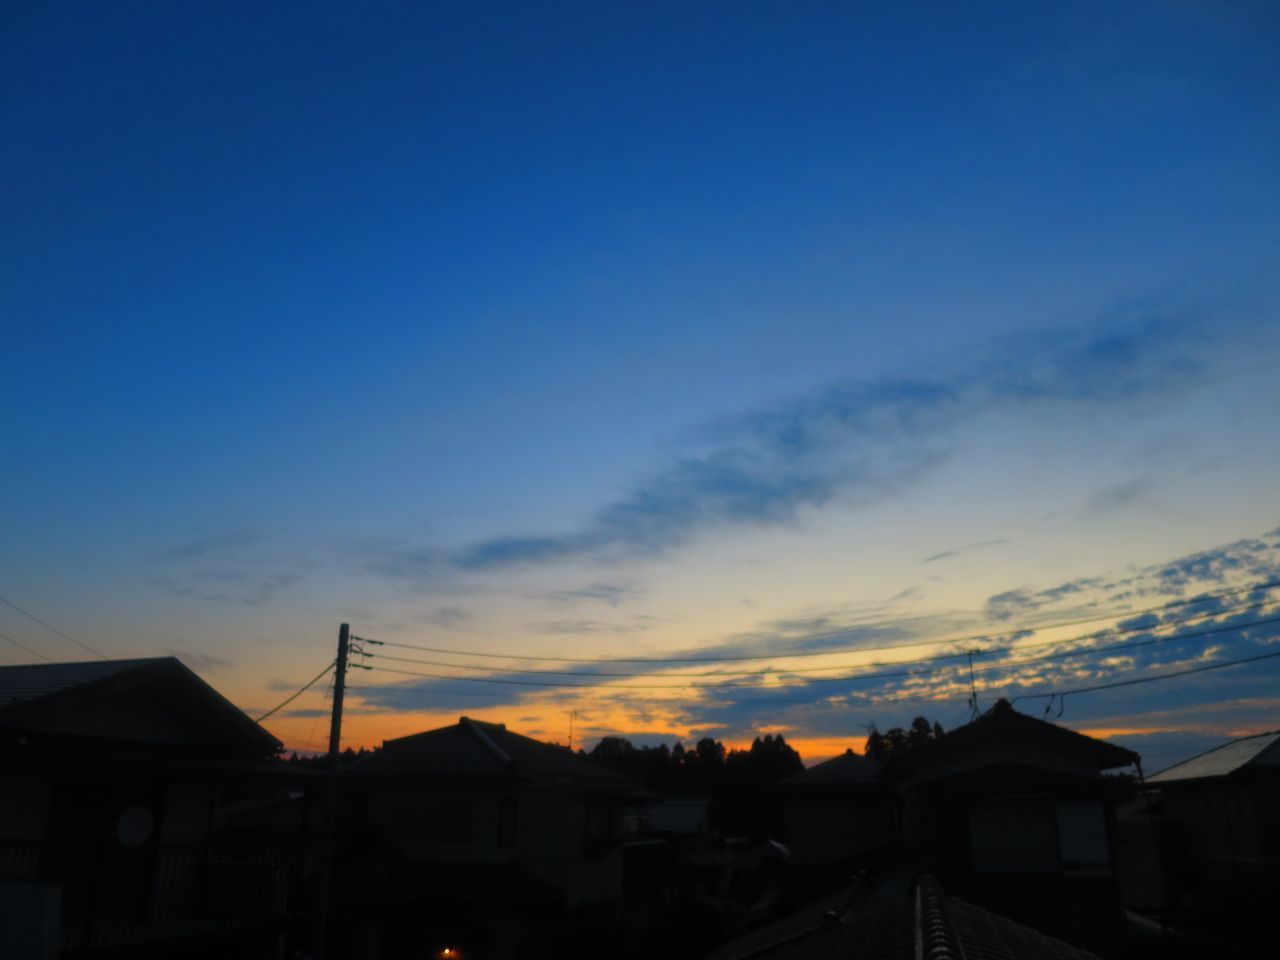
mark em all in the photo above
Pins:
pixel 486 741
pixel 936 937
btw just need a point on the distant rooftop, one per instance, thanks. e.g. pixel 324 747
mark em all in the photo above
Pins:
pixel 477 748
pixel 1258 750
pixel 1003 734
pixel 845 768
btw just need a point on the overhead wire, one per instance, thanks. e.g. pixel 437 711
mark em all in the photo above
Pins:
pixel 49 626
pixel 974 638
pixel 299 692
pixel 956 655
pixel 889 675
pixel 1149 678
pixel 23 646
pixel 319 713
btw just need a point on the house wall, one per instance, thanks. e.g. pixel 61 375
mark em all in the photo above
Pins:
pixel 24 806
pixel 827 827
pixel 1223 818
pixel 1027 844
pixel 1228 854
pixel 551 835
pixel 127 856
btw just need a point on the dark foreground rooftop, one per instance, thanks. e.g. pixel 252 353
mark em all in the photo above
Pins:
pixel 927 924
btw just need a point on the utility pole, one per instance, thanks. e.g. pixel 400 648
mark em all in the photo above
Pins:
pixel 573 715
pixel 339 688
pixel 330 795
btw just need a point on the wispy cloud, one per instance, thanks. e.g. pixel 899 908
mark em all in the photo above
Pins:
pixel 1252 558
pixel 447 618
pixel 961 549
pixel 1116 495
pixel 198 548
pixel 569 627
pixel 857 442
pixel 434 696
pixel 612 594
pixel 249 591
pixel 837 705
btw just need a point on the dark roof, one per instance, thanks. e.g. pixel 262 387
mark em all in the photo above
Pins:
pixel 474 748
pixel 846 768
pixel 31 681
pixel 33 698
pixel 930 925
pixel 1002 734
pixel 1261 749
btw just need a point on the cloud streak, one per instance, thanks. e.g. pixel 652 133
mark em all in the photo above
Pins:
pixel 857 442
pixel 961 549
pixel 1254 559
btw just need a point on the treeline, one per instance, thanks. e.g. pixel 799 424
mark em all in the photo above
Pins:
pixel 881 746
pixel 704 769
pixel 737 782
pixel 345 758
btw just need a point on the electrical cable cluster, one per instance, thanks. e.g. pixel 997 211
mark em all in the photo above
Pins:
pixel 517 675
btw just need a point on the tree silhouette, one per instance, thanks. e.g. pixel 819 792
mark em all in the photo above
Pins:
pixel 881 746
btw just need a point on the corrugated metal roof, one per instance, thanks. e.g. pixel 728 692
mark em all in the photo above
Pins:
pixel 26 682
pixel 1228 758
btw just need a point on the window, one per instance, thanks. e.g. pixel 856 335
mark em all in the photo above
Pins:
pixel 1013 835
pixel 1082 834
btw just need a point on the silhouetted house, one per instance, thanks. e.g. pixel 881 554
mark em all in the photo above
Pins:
pixel 926 924
pixel 710 885
pixel 1014 813
pixel 731 883
pixel 1221 849
pixel 473 837
pixel 661 833
pixel 111 781
pixel 836 811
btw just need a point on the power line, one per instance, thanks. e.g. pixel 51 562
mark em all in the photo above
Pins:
pixel 47 626
pixel 1154 678
pixel 956 655
pixel 891 675
pixel 294 696
pixel 974 638
pixel 319 713
pixel 1058 693
pixel 34 653
pixel 495 694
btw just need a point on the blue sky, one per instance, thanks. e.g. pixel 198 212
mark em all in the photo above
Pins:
pixel 606 328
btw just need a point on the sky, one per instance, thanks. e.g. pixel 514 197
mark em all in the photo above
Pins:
pixel 604 331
